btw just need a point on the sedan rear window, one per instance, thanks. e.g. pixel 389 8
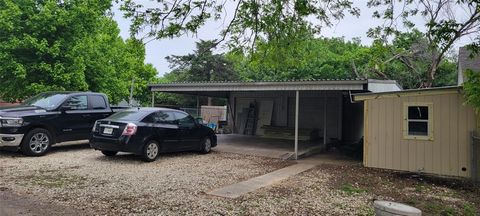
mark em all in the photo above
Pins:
pixel 129 115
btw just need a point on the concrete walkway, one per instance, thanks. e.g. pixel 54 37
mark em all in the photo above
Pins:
pixel 241 188
pixel 264 147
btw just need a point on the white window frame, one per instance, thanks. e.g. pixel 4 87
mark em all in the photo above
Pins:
pixel 406 135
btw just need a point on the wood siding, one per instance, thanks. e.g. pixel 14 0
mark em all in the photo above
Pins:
pixel 448 153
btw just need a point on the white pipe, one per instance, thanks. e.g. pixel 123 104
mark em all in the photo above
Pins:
pixel 296 123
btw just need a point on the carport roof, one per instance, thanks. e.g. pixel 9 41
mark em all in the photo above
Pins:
pixel 222 88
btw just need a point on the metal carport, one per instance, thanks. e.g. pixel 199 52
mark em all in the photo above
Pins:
pixel 315 89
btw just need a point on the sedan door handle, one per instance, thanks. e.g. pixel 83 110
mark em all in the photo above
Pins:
pixel 86 115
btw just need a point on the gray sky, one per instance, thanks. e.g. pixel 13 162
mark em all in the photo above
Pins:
pixel 349 27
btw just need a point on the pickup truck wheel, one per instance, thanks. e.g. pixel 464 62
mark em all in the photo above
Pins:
pixel 151 150
pixel 37 142
pixel 206 145
pixel 109 153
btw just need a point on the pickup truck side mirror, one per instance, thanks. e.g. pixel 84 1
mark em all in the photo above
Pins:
pixel 64 108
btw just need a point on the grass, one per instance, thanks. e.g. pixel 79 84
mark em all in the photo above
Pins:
pixel 54 179
pixel 349 189
pixel 440 209
pixel 469 210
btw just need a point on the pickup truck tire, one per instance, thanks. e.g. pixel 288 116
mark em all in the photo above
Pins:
pixel 37 142
pixel 109 153
pixel 151 150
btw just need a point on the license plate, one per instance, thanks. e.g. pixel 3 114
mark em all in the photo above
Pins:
pixel 108 130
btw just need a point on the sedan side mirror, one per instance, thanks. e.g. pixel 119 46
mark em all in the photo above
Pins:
pixel 200 121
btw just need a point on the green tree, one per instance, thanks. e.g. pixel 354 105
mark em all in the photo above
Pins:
pixel 251 20
pixel 472 89
pixel 443 26
pixel 406 58
pixel 202 65
pixel 68 45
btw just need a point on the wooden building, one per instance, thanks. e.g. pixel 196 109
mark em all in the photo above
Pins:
pixel 425 130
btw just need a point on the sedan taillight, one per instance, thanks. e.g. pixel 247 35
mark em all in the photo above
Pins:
pixel 94 126
pixel 130 129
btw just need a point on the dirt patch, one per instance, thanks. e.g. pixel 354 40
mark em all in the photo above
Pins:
pixel 17 204
pixel 85 180
pixel 433 195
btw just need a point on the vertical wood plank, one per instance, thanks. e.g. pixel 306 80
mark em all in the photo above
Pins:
pixel 397 133
pixel 403 142
pixel 437 126
pixel 444 132
pixel 453 130
pixel 382 132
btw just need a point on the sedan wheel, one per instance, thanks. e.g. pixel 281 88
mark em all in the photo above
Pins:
pixel 207 145
pixel 151 151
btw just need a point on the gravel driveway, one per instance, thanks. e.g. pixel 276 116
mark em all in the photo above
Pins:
pixel 81 179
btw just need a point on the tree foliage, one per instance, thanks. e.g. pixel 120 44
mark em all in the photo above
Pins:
pixel 67 45
pixel 251 19
pixel 335 58
pixel 472 88
pixel 201 65
pixel 444 25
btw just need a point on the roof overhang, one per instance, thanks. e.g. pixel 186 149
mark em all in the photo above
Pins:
pixel 221 89
pixel 408 93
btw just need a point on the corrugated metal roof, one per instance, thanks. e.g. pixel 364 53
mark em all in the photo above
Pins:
pixel 408 92
pixel 258 81
pixel 276 85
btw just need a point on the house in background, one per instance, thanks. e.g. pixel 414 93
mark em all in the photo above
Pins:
pixel 465 62
pixel 3 103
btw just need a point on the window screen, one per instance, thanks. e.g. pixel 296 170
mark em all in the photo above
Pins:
pixel 418 117
pixel 98 102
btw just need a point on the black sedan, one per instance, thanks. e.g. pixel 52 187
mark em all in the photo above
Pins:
pixel 151 131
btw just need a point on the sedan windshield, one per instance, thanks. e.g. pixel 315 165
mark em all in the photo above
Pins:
pixel 47 100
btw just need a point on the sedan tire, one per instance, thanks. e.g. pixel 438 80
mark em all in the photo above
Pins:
pixel 206 145
pixel 151 150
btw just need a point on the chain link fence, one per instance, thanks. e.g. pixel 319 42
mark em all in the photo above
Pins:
pixel 475 140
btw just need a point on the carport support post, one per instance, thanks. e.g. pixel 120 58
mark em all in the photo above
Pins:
pixel 153 99
pixel 297 97
pixel 325 119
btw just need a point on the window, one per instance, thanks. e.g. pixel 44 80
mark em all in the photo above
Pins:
pixel 184 119
pixel 77 103
pixel 418 121
pixel 129 115
pixel 160 117
pixel 98 102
